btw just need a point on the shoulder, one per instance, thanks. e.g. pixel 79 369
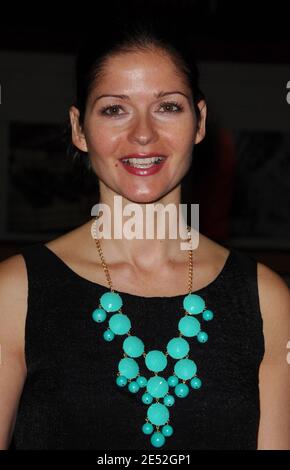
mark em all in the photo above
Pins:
pixel 13 305
pixel 271 283
pixel 13 276
pixel 274 298
pixel 274 293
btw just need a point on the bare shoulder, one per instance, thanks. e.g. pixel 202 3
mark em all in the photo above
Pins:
pixel 274 293
pixel 274 297
pixel 13 275
pixel 13 304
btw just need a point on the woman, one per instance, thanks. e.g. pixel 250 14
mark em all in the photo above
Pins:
pixel 62 382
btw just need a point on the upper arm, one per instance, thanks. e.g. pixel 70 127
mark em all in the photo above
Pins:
pixel 13 307
pixel 274 376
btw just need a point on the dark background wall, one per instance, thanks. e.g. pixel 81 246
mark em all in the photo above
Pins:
pixel 241 172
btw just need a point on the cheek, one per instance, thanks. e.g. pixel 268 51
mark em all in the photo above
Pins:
pixel 101 141
pixel 182 135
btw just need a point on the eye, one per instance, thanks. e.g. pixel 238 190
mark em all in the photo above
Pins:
pixel 169 105
pixel 112 110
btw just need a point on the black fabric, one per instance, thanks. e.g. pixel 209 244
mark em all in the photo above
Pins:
pixel 70 399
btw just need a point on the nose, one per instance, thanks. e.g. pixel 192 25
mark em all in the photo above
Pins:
pixel 143 131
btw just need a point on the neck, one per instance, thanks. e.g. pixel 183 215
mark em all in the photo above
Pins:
pixel 157 239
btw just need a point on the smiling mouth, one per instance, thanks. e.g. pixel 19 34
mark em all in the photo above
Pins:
pixel 143 162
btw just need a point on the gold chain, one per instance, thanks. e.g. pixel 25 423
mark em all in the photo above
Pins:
pixel 106 269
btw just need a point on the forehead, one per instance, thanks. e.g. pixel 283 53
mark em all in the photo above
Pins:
pixel 135 70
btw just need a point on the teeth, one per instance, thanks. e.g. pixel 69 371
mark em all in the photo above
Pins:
pixel 143 162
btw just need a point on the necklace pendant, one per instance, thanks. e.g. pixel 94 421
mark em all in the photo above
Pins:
pixel 156 387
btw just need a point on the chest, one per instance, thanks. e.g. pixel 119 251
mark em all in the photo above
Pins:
pixel 160 281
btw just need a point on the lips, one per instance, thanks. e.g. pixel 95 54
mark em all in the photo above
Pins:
pixel 143 155
pixel 142 164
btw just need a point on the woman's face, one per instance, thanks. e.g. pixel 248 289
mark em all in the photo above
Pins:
pixel 153 114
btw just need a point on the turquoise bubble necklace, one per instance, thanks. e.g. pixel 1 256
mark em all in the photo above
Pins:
pixel 157 390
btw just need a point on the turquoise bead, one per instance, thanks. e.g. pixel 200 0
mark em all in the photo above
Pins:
pixel 157 386
pixel 133 387
pixel 111 301
pixel 121 381
pixel 185 369
pixel 193 304
pixel 195 383
pixel 207 315
pixel 128 367
pixel 181 390
pixel 99 315
pixel 189 326
pixel 120 324
pixel 167 430
pixel 158 414
pixel 157 439
pixel 177 348
pixel 133 346
pixel 147 398
pixel 147 428
pixel 155 361
pixel 108 335
pixel 169 400
pixel 141 381
pixel 202 337
pixel 172 381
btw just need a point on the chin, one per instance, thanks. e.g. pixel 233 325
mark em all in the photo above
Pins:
pixel 143 198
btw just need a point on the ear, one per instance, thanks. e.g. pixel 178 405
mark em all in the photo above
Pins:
pixel 78 137
pixel 200 132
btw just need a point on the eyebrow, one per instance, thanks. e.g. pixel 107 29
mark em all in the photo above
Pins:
pixel 156 95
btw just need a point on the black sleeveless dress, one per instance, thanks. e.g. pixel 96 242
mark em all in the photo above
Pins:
pixel 70 399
